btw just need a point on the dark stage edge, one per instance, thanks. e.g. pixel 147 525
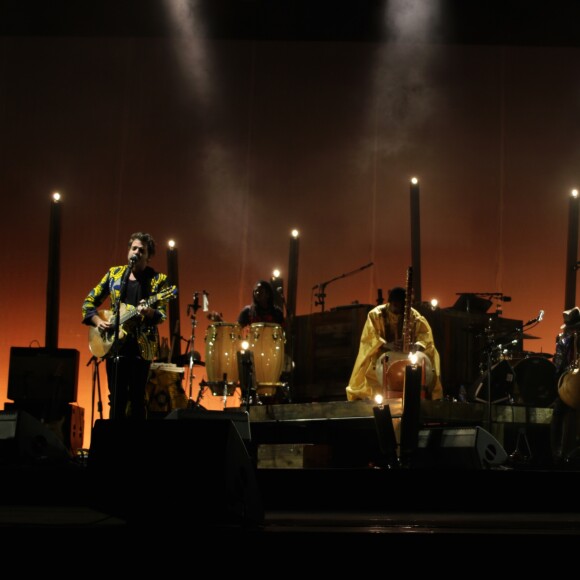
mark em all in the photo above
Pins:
pixel 307 500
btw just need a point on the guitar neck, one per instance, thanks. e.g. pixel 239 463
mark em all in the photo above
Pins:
pixel 127 315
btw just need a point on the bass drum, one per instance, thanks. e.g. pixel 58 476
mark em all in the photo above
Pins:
pixel 536 381
pixel 569 388
pixel 502 382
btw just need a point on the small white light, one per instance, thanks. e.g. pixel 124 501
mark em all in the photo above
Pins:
pixel 56 196
pixel 171 243
pixel 379 399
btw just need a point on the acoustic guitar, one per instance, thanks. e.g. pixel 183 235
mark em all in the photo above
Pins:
pixel 101 342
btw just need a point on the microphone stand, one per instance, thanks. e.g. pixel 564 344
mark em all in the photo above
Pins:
pixel 122 293
pixel 320 295
pixel 96 385
pixel 193 307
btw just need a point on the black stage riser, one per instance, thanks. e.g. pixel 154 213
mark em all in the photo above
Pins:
pixel 195 470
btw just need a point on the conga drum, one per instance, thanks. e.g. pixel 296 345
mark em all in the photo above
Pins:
pixel 266 340
pixel 164 391
pixel 222 343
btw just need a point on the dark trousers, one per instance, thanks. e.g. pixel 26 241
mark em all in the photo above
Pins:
pixel 127 377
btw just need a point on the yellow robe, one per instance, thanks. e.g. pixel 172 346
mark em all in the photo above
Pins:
pixel 381 331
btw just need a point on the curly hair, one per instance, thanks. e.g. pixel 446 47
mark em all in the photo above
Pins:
pixel 146 239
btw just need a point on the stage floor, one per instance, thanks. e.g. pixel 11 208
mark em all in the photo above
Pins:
pixel 298 508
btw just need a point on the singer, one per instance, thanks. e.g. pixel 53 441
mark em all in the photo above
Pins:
pixel 127 335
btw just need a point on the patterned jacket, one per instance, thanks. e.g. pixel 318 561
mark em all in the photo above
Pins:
pixel 110 287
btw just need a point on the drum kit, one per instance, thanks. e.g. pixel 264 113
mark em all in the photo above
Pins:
pixel 520 377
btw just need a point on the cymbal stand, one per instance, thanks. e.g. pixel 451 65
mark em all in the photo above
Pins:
pixel 489 347
pixel 96 386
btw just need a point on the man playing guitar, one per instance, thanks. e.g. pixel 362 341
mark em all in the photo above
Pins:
pixel 127 336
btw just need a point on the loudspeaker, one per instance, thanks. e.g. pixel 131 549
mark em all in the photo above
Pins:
pixel 157 472
pixel 458 448
pixel 65 420
pixel 240 419
pixel 43 374
pixel 23 439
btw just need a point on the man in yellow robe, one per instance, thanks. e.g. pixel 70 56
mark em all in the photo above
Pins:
pixel 383 332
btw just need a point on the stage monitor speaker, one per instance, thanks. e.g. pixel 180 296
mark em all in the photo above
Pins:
pixel 458 448
pixel 196 471
pixel 240 418
pixel 25 440
pixel 37 374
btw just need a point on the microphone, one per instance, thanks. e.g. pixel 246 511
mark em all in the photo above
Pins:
pixel 506 298
pixel 537 319
pixel 133 259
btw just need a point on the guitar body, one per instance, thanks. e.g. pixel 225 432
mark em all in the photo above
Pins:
pixel 100 343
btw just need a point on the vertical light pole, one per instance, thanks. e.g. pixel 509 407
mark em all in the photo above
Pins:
pixel 53 281
pixel 416 240
pixel 292 274
pixel 291 305
pixel 174 322
pixel 572 252
pixel 410 419
pixel 278 287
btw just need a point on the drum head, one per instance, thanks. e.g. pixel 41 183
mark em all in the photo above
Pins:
pixel 536 381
